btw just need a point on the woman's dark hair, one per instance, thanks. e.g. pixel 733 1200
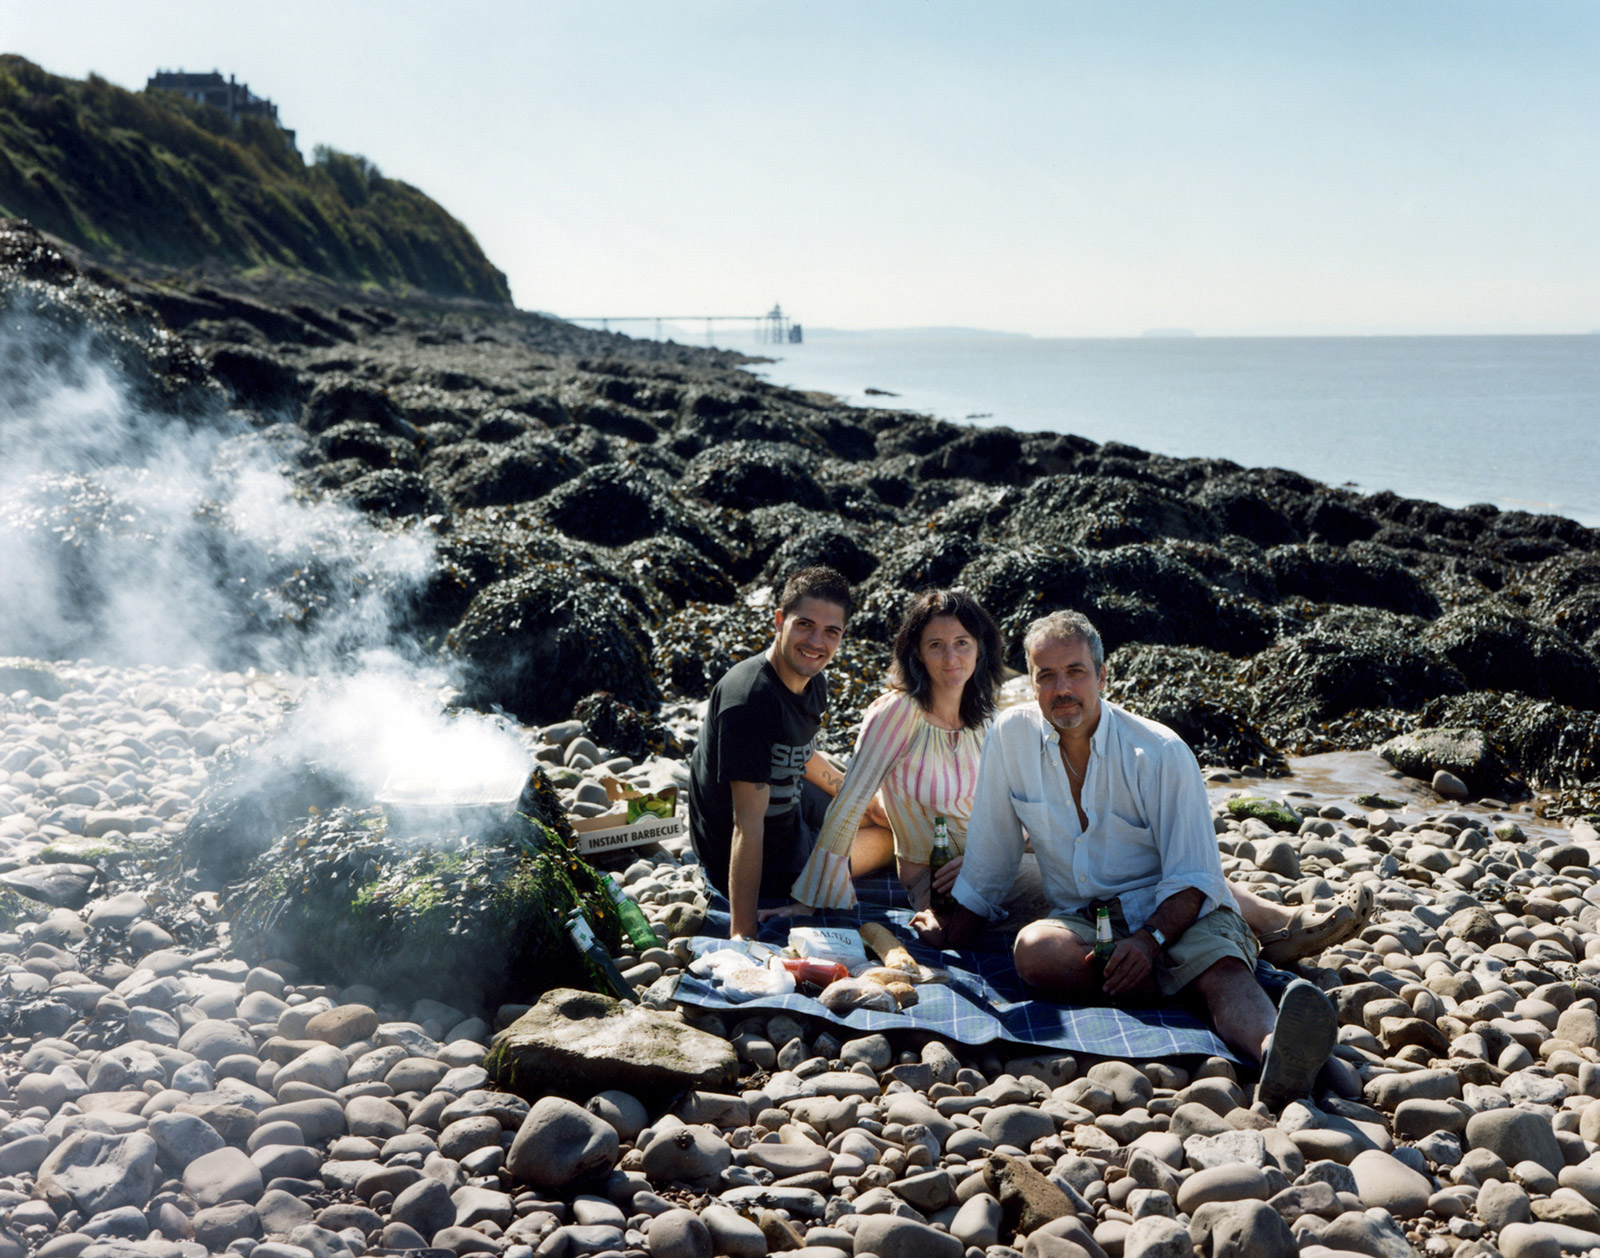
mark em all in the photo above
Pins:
pixel 981 695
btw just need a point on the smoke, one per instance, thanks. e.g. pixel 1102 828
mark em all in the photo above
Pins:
pixel 136 535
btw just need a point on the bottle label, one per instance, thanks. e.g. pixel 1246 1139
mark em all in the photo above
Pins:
pixel 581 934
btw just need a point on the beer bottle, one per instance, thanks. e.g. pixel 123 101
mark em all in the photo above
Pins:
pixel 1103 943
pixel 937 860
pixel 634 923
pixel 602 969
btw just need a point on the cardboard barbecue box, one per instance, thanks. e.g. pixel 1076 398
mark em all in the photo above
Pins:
pixel 636 818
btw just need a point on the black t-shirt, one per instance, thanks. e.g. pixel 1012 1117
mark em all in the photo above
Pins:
pixel 756 730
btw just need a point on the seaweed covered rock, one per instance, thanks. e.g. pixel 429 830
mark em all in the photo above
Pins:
pixel 613 505
pixel 258 380
pixel 1361 575
pixel 476 923
pixel 474 474
pixel 1246 509
pixel 1348 660
pixel 677 573
pixel 991 455
pixel 1105 511
pixel 696 645
pixel 1496 649
pixel 394 493
pixel 1461 751
pixel 614 725
pixel 1196 693
pixel 1143 593
pixel 1553 747
pixel 1274 812
pixel 353 439
pixel 538 642
pixel 342 399
pixel 70 324
pixel 749 474
pixel 828 545
pixel 1565 591
pixel 253 795
pixel 1018 586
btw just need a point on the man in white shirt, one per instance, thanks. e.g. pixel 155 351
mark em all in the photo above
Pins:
pixel 1116 810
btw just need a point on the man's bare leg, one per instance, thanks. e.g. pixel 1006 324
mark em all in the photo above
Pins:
pixel 1240 1009
pixel 1053 960
pixel 1290 1043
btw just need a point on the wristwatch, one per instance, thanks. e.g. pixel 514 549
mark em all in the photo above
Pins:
pixel 1158 936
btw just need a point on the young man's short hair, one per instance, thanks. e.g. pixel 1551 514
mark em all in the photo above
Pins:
pixel 817 581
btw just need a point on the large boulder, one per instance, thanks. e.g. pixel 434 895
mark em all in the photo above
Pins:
pixel 1467 753
pixel 100 1172
pixel 578 1043
pixel 348 899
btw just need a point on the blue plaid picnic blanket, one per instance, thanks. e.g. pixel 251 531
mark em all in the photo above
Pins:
pixel 984 1002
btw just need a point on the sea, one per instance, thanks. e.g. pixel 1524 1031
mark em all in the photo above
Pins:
pixel 1508 420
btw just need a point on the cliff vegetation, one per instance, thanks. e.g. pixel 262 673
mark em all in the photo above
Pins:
pixel 153 178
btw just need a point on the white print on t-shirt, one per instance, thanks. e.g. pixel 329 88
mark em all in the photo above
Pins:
pixel 788 762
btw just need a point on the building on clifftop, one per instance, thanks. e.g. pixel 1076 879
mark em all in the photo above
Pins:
pixel 232 97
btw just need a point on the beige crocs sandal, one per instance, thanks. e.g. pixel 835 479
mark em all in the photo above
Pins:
pixel 1311 930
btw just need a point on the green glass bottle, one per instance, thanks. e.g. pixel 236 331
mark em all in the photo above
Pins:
pixel 634 923
pixel 1104 945
pixel 602 969
pixel 938 858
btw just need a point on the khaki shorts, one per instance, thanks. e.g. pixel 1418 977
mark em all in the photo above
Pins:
pixel 1220 933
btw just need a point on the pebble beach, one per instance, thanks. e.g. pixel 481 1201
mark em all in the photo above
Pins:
pixel 162 1097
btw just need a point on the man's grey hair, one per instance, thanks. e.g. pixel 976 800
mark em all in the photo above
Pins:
pixel 1065 626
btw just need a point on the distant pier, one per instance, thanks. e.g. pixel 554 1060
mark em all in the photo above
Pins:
pixel 772 328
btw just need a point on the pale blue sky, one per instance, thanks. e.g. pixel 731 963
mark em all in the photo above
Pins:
pixel 1054 168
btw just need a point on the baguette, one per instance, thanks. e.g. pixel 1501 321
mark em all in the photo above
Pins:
pixel 883 945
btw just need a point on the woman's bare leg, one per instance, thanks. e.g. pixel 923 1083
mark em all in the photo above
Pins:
pixel 871 849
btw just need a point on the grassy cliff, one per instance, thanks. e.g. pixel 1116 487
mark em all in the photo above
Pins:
pixel 154 177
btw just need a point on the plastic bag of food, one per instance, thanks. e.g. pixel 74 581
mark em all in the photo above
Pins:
pixel 758 982
pixel 724 961
pixel 857 993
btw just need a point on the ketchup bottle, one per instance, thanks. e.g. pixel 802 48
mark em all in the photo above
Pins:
pixel 817 973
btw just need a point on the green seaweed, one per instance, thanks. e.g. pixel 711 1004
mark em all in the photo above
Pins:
pixel 470 922
pixel 1275 813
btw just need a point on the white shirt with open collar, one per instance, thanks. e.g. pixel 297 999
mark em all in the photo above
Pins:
pixel 1149 835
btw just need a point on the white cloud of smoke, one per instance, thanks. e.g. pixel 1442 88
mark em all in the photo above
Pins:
pixel 134 537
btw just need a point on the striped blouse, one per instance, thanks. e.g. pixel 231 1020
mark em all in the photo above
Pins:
pixel 924 772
